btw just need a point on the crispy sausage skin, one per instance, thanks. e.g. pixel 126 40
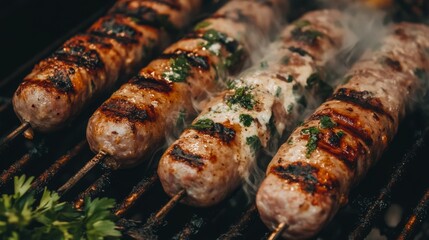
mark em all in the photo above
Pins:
pixel 213 157
pixel 136 118
pixel 311 175
pixel 60 86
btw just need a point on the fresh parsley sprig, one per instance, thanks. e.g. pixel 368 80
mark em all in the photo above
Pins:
pixel 24 216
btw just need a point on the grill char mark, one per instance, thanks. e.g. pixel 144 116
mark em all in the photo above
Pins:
pixel 158 85
pixel 218 130
pixel 362 99
pixel 307 176
pixel 112 28
pixel 120 108
pixel 75 52
pixel 347 123
pixel 144 15
pixel 193 160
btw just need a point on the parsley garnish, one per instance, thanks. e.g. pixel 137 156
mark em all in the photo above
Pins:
pixel 340 134
pixel 301 23
pixel 212 36
pixel 285 60
pixel 180 68
pixel 313 80
pixel 203 124
pixel 233 58
pixel 313 138
pixel 289 78
pixel 264 64
pixel 243 97
pixel 201 25
pixel 278 91
pixel 289 108
pixel 254 142
pixel 246 119
pixel 24 216
pixel 326 122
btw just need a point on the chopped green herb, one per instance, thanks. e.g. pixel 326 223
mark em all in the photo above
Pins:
pixel 301 23
pixel 246 119
pixel 326 122
pixel 308 36
pixel 300 51
pixel 289 108
pixel 254 142
pixel 271 125
pixel 243 97
pixel 421 74
pixel 230 84
pixel 180 68
pixel 201 25
pixel 313 80
pixel 264 64
pixel 313 138
pixel 303 101
pixel 203 124
pixel 289 78
pixel 26 215
pixel 278 91
pixel 285 59
pixel 290 141
pixel 212 37
pixel 340 134
pixel 234 58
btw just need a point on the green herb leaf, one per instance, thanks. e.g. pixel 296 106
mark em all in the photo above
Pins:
pixel 203 124
pixel 326 122
pixel 278 91
pixel 254 142
pixel 264 64
pixel 313 138
pixel 340 134
pixel 201 25
pixel 179 69
pixel 243 97
pixel 301 23
pixel 23 216
pixel 246 119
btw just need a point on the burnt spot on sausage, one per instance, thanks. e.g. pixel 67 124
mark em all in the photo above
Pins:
pixel 307 176
pixel 218 130
pixel 348 123
pixel 392 63
pixel 75 52
pixel 112 28
pixel 193 160
pixel 362 99
pixel 193 59
pixel 61 81
pixel 300 51
pixel 158 85
pixel 143 15
pixel 309 37
pixel 331 143
pixel 120 108
pixel 99 41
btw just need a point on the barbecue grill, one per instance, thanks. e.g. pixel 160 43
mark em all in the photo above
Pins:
pixel 390 203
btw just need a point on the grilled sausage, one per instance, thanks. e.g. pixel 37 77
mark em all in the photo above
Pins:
pixel 214 155
pixel 60 86
pixel 137 117
pixel 311 175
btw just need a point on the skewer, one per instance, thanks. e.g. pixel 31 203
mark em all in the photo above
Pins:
pixel 249 216
pixel 82 172
pixel 278 231
pixel 46 176
pixel 14 168
pixel 94 189
pixel 154 221
pixel 135 194
pixel 20 129
pixel 416 219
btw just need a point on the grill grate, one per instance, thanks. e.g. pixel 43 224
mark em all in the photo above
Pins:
pixel 140 195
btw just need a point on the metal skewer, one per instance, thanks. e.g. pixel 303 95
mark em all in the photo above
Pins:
pixel 20 129
pixel 278 231
pixel 82 172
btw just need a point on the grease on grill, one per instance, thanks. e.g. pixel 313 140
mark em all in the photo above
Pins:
pixel 191 159
pixel 120 108
pixel 307 176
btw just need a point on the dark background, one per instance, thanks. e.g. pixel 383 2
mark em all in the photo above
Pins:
pixel 29 26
